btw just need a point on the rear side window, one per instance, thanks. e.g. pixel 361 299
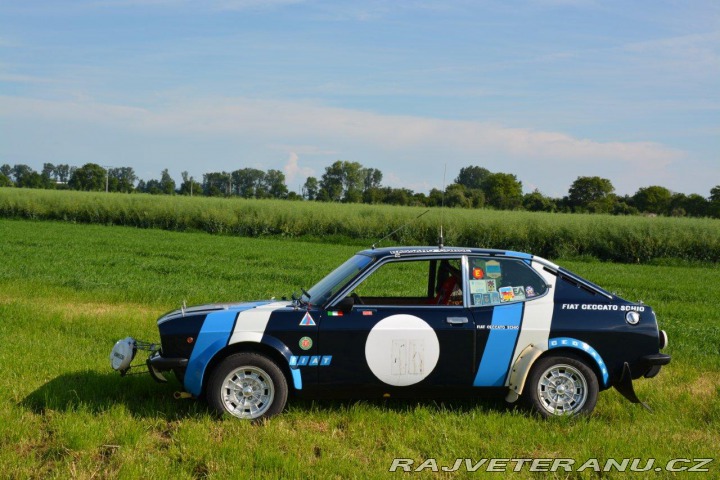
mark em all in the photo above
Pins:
pixel 496 281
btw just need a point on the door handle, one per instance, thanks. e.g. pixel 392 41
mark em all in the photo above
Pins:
pixel 457 320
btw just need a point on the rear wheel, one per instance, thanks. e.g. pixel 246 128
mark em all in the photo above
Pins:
pixel 562 385
pixel 248 386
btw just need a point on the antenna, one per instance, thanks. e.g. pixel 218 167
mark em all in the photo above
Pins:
pixel 441 240
pixel 399 228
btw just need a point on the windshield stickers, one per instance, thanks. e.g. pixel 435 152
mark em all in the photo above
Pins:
pixel 506 294
pixel 492 269
pixel 478 286
pixel 478 273
pixel 482 294
pixel 307 321
pixel 519 293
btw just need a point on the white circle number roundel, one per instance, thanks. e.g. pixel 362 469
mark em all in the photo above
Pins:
pixel 402 350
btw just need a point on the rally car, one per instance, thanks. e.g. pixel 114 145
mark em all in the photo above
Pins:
pixel 406 321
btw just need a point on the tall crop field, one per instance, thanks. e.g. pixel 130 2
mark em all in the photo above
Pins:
pixel 629 239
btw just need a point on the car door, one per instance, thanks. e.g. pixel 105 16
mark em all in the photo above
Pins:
pixel 499 289
pixel 408 327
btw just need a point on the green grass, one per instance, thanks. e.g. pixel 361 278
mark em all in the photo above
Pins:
pixel 622 239
pixel 68 292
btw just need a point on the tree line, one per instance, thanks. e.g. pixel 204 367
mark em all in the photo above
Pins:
pixel 351 182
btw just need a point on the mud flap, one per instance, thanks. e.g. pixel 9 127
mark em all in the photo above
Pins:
pixel 625 387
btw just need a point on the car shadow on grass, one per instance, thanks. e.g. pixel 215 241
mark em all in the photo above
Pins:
pixel 101 392
pixel 141 396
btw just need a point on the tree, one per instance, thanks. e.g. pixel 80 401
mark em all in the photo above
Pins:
pixel 435 198
pixel 89 177
pixel 19 172
pixel 537 202
pixel 592 194
pixel 153 187
pixel 714 207
pixel 274 183
pixel 121 179
pixel 189 186
pixel 342 181
pixel 49 177
pixel 715 194
pixel 216 184
pixel 503 191
pixel 331 183
pixel 398 196
pixel 455 196
pixel 654 199
pixel 353 177
pixel 167 184
pixel 372 178
pixel 5 181
pixel 472 177
pixel 63 172
pixel 26 177
pixel 310 188
pixel 6 170
pixel 249 183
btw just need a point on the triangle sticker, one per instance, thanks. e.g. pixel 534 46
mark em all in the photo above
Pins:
pixel 307 320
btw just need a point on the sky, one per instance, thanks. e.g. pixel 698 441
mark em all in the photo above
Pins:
pixel 548 90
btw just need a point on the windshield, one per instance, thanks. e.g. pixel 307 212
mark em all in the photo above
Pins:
pixel 329 286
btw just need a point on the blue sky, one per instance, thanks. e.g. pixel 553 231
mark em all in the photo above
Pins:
pixel 548 90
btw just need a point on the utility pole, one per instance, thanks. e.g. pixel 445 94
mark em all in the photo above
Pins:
pixel 107 176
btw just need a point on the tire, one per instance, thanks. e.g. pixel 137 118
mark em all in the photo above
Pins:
pixel 247 386
pixel 562 385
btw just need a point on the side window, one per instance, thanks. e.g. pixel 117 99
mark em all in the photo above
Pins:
pixel 413 282
pixel 494 281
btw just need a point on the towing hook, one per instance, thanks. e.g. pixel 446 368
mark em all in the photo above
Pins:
pixel 181 395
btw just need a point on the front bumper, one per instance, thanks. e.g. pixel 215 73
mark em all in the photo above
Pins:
pixel 157 364
pixel 652 364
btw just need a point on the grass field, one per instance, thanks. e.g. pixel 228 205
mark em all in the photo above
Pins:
pixel 68 292
pixel 623 239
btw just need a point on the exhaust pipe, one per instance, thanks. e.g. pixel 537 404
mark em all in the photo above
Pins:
pixel 182 395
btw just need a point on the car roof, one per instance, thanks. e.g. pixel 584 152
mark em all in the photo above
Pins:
pixel 407 251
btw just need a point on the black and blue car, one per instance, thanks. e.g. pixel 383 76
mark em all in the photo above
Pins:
pixel 407 321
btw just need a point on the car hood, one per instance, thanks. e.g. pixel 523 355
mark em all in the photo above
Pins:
pixel 214 307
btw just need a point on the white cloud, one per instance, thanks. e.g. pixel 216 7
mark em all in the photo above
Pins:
pixel 409 147
pixel 293 171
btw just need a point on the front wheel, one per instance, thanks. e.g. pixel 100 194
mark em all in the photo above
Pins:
pixel 248 386
pixel 562 385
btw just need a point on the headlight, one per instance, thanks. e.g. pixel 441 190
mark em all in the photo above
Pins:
pixel 632 317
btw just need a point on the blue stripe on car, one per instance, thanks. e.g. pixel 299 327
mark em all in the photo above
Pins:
pixel 500 346
pixel 565 342
pixel 213 337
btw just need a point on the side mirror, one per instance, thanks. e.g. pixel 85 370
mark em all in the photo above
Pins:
pixel 346 304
